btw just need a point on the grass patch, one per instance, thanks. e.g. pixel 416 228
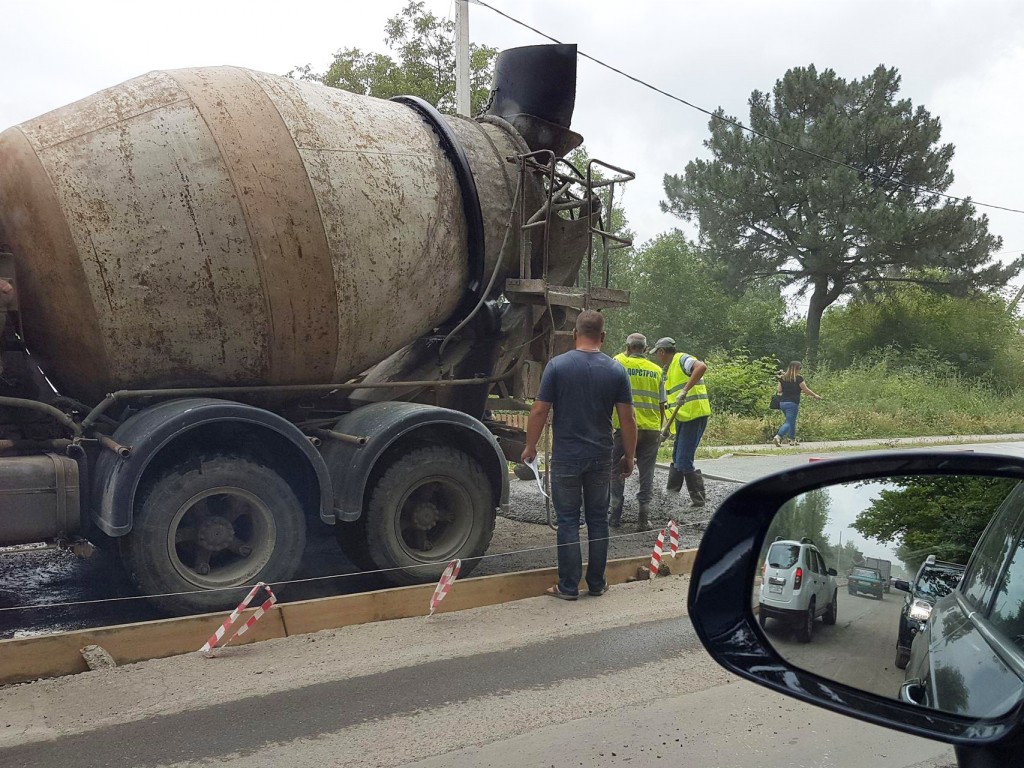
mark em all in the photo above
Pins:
pixel 877 402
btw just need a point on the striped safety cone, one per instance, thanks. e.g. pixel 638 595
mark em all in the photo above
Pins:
pixel 673 538
pixel 211 644
pixel 656 554
pixel 444 585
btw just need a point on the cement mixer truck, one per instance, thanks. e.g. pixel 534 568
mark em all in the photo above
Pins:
pixel 235 305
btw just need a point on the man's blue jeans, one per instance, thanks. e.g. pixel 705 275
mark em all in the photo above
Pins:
pixel 790 410
pixel 688 434
pixel 576 484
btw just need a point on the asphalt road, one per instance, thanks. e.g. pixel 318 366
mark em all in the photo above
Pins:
pixel 859 650
pixel 619 680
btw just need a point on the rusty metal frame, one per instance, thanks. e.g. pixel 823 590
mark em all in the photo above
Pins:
pixel 560 197
pixel 529 162
pixel 606 236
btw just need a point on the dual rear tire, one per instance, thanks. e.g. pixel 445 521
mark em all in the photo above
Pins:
pixel 207 526
pixel 430 506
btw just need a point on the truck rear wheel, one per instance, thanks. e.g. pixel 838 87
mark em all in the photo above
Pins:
pixel 431 506
pixel 211 523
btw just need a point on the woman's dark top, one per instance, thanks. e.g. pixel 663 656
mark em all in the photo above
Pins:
pixel 791 390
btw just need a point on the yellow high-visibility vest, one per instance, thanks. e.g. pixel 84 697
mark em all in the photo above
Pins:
pixel 645 381
pixel 697 403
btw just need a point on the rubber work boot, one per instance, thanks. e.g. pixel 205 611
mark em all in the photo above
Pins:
pixel 675 479
pixel 643 519
pixel 615 511
pixel 695 487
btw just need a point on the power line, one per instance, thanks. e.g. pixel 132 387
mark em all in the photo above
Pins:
pixel 741 126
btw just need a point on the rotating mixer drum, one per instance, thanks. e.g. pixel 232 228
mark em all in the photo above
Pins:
pixel 225 226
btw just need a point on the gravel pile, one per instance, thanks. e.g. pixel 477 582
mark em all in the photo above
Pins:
pixel 526 504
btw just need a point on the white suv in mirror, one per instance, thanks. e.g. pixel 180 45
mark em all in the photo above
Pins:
pixel 797 587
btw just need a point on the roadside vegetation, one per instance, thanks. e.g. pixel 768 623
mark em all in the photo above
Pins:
pixel 874 400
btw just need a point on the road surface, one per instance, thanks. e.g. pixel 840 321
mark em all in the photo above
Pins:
pixel 618 680
pixel 858 650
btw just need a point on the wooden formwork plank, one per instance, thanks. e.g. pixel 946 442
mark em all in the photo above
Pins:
pixel 405 602
pixel 53 655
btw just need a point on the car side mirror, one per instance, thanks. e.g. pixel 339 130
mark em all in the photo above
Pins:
pixel 901 585
pixel 777 633
pixel 832 572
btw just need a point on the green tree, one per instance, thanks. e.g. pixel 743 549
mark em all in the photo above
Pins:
pixel 941 516
pixel 674 292
pixel 423 63
pixel 974 337
pixel 770 212
pixel 803 517
pixel 739 384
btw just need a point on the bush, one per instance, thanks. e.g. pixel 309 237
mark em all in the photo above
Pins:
pixel 740 385
pixel 912 328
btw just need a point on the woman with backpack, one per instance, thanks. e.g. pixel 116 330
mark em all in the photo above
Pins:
pixel 791 386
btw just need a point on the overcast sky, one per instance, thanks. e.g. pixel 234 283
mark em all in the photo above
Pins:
pixel 962 60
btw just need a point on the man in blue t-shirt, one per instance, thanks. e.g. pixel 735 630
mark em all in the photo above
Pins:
pixel 583 386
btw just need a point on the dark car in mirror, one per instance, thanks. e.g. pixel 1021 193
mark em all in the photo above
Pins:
pixel 935 579
pixel 969 656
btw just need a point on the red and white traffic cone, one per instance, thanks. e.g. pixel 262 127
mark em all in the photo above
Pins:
pixel 673 538
pixel 211 644
pixel 444 585
pixel 656 554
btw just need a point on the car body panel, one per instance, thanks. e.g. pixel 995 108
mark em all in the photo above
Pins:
pixel 960 671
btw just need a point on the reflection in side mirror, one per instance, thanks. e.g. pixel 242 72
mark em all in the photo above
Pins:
pixel 912 692
pixel 951 545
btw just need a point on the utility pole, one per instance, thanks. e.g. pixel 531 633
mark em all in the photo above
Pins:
pixel 462 57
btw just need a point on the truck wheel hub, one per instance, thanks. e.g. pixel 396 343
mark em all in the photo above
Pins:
pixel 425 516
pixel 216 533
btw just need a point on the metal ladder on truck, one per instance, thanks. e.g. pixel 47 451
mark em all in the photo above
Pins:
pixel 569 192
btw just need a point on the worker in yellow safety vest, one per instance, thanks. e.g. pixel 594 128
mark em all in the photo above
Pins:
pixel 648 388
pixel 690 407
